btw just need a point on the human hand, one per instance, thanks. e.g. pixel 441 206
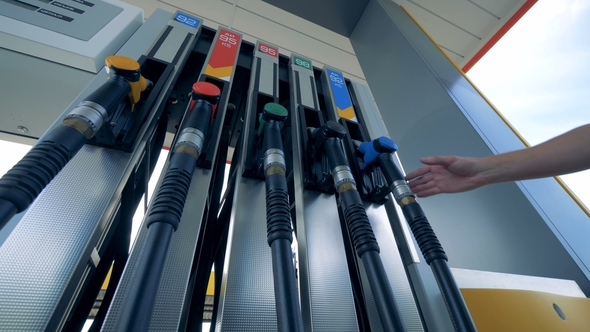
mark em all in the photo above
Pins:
pixel 447 174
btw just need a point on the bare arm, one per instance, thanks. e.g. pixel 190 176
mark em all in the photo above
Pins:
pixel 563 154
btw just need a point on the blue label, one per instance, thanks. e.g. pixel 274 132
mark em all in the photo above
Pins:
pixel 341 96
pixel 187 20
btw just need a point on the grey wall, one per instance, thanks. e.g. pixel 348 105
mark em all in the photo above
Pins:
pixel 429 108
pixel 34 92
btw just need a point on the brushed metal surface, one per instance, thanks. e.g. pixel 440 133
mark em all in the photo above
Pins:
pixel 395 271
pixel 45 256
pixel 327 303
pixel 173 286
pixel 324 267
pixel 247 301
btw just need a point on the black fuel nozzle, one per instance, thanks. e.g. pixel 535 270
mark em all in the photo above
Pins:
pixel 372 149
pixel 381 151
pixel 271 112
pixel 23 183
pixel 331 129
pixel 207 92
pixel 192 134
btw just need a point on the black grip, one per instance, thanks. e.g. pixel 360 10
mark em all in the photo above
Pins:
pixel 23 183
pixel 335 154
pixel 278 217
pixel 171 197
pixel 110 94
pixel 358 223
pixel 389 168
pixel 272 135
pixel 199 117
pixel 424 234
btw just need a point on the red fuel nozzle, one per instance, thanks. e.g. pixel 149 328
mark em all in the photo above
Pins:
pixel 207 92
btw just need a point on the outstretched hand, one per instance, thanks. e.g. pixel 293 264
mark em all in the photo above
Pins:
pixel 448 174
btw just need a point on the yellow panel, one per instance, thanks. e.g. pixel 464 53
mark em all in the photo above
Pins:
pixel 221 73
pixel 211 284
pixel 518 311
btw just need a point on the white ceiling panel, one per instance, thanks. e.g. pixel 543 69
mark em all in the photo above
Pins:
pixel 460 13
pixel 295 22
pixel 499 8
pixel 290 40
pixel 460 27
pixel 440 30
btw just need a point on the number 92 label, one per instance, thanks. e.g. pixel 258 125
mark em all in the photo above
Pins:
pixel 187 20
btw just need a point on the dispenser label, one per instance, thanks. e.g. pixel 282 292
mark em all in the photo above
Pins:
pixel 187 20
pixel 269 50
pixel 302 62
pixel 223 57
pixel 340 95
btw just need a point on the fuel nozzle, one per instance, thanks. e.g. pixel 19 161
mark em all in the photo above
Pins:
pixel 271 111
pixel 331 129
pixel 191 139
pixel 130 70
pixel 207 92
pixel 372 149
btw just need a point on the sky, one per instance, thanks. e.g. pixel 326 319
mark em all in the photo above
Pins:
pixel 538 75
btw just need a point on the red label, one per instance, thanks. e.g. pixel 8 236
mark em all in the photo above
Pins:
pixel 226 49
pixel 267 49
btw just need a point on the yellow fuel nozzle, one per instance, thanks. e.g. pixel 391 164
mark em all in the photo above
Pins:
pixel 130 70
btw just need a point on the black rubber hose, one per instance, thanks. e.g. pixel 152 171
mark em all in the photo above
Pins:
pixel 21 185
pixel 272 135
pixel 366 244
pixel 358 223
pixel 137 308
pixel 279 238
pixel 424 234
pixel 335 154
pixel 435 256
pixel 452 296
pixel 432 250
pixel 286 295
pixel 172 194
pixel 110 94
pixel 278 217
pixel 367 249
pixel 162 222
pixel 391 172
pixel 381 289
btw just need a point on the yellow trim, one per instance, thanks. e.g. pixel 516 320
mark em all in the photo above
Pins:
pixel 510 310
pixel 347 113
pixel 136 89
pixel 561 183
pixel 220 72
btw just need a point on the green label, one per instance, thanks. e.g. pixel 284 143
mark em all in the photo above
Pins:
pixel 301 62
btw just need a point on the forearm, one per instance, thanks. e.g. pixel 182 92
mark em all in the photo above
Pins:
pixel 564 154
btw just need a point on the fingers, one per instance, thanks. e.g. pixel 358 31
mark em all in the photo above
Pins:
pixel 444 161
pixel 429 192
pixel 425 186
pixel 420 181
pixel 418 173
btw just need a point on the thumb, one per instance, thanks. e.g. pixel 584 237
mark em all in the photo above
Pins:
pixel 444 161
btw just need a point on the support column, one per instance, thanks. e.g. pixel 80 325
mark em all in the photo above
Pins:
pixel 430 108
